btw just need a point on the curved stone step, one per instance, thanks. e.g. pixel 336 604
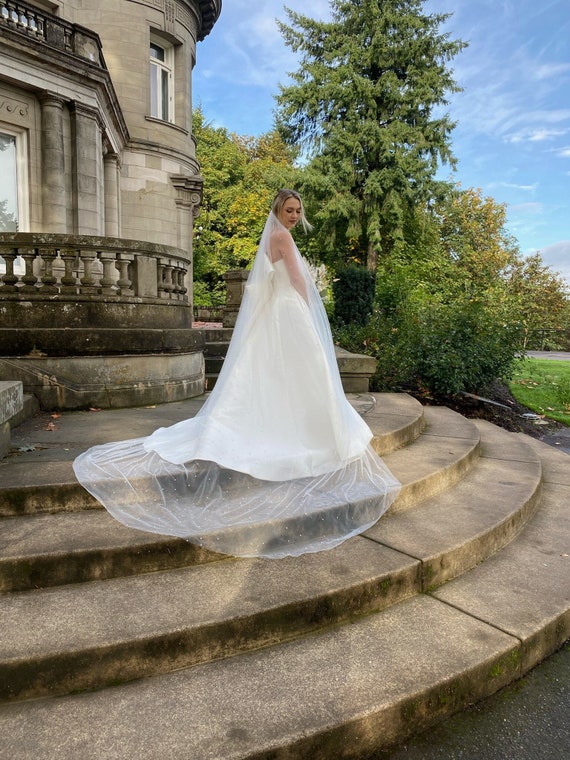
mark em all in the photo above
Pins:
pixel 439 458
pixel 40 478
pixel 461 527
pixel 80 637
pixel 75 648
pixel 46 550
pixel 524 590
pixel 348 691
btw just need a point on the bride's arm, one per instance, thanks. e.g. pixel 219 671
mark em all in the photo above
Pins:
pixel 283 247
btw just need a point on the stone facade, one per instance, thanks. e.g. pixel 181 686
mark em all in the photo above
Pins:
pixel 100 189
pixel 76 90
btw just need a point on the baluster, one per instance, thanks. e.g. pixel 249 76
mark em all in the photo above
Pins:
pixel 9 279
pixel 22 17
pixel 32 23
pixel 12 15
pixel 178 277
pixel 67 39
pixel 88 281
pixel 40 27
pixel 29 279
pixel 22 21
pixel 69 278
pixel 48 278
pixel 182 275
pixel 125 281
pixel 167 284
pixel 108 280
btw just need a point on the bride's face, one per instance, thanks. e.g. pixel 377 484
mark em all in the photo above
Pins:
pixel 290 213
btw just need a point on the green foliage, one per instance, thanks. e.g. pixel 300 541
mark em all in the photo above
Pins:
pixel 543 297
pixel 461 346
pixel 362 105
pixel 353 291
pixel 446 319
pixel 241 177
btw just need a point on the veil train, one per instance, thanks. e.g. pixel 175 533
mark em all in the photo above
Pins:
pixel 276 462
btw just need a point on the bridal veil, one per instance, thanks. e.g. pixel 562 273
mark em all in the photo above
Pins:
pixel 276 462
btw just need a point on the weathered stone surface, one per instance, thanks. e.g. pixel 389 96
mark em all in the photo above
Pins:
pixel 79 382
pixel 103 341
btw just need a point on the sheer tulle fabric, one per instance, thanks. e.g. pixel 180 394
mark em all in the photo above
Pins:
pixel 276 462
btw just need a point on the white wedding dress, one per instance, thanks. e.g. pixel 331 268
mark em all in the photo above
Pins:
pixel 276 462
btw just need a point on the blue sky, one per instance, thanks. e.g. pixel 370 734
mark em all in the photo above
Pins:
pixel 512 138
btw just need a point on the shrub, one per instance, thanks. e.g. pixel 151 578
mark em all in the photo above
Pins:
pixel 443 348
pixel 353 291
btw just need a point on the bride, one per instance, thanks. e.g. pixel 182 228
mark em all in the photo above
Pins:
pixel 276 462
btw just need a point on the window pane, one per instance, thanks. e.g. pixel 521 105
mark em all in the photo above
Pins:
pixel 154 87
pixel 9 185
pixel 156 52
pixel 164 95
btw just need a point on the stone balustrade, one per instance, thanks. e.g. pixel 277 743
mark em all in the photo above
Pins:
pixel 64 267
pixel 37 24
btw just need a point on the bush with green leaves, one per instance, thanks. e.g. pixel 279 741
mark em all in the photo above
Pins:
pixel 442 348
pixel 462 346
pixel 353 291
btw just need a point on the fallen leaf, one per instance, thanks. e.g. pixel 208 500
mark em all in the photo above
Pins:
pixel 94 409
pixel 50 426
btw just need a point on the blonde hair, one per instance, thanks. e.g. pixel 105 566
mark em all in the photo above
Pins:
pixel 282 197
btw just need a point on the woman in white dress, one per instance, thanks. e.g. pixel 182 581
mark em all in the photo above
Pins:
pixel 276 462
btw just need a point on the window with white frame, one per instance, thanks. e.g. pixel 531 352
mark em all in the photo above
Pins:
pixel 14 184
pixel 161 80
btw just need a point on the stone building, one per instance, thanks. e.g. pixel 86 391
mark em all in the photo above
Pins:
pixel 100 188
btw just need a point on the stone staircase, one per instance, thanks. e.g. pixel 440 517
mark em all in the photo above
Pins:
pixel 120 644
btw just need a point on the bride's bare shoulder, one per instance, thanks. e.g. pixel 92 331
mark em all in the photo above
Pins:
pixel 281 236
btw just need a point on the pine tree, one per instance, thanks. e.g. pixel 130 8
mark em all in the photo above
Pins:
pixel 366 107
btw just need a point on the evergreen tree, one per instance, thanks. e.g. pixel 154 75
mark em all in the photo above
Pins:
pixel 366 107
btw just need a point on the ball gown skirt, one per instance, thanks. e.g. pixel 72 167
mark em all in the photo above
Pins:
pixel 278 463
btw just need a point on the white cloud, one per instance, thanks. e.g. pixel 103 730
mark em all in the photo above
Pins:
pixel 539 134
pixel 249 47
pixel 514 186
pixel 550 70
pixel 557 257
pixel 526 208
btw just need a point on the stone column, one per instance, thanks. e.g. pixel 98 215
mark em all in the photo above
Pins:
pixel 54 197
pixel 87 169
pixel 235 280
pixel 188 199
pixel 112 197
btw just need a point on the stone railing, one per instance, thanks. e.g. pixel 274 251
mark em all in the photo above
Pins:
pixel 40 25
pixel 38 266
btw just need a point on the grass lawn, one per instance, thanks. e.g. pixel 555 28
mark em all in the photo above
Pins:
pixel 543 385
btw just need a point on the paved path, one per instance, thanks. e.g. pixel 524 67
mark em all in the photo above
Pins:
pixel 563 356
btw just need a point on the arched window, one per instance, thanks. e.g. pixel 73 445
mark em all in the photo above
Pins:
pixel 161 80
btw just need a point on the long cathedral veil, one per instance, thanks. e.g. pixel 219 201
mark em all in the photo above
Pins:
pixel 228 482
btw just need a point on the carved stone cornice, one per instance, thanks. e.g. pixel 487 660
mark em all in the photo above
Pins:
pixel 188 191
pixel 207 12
pixel 210 11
